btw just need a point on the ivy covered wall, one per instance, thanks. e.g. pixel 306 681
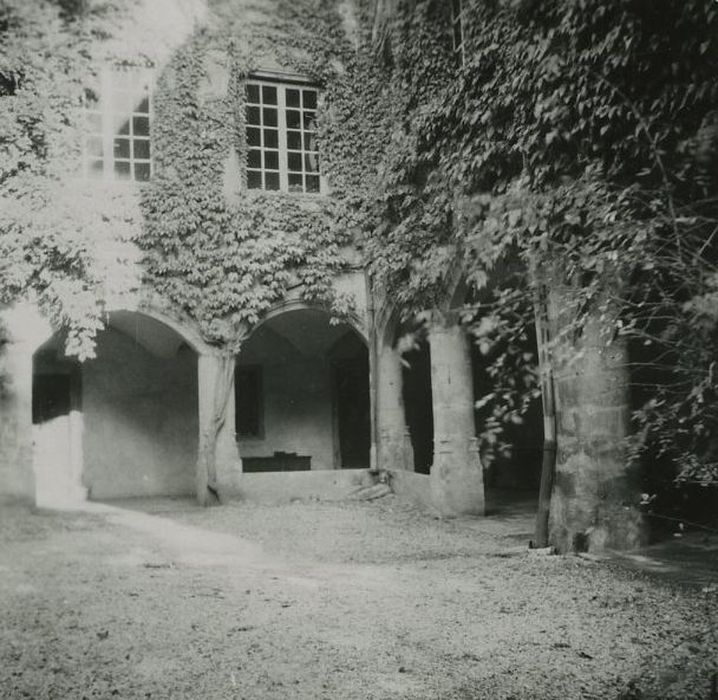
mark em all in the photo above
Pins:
pixel 568 145
pixel 222 252
pixel 214 251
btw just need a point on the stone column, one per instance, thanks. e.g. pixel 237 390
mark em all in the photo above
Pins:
pixel 393 452
pixel 218 465
pixel 457 481
pixel 23 331
pixel 594 503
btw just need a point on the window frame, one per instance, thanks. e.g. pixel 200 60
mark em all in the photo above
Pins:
pixel 282 83
pixel 106 111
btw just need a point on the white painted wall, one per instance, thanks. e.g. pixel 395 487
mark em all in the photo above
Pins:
pixel 140 420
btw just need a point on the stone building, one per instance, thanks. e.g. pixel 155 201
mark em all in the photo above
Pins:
pixel 315 406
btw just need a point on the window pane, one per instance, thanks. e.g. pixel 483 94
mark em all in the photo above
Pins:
pixel 253 137
pixel 254 158
pixel 144 106
pixel 122 170
pixel 312 183
pixel 270 116
pixel 142 171
pixel 294 140
pixel 253 93
pixel 310 120
pixel 141 126
pixel 292 98
pixel 295 183
pixel 310 99
pixel 272 181
pixel 269 95
pixel 124 129
pixel 141 149
pixel 253 115
pixel 294 161
pixel 299 155
pixel 122 148
pixel 271 160
pixel 292 119
pixel 97 166
pixel 271 138
pixel 310 141
pixel 311 163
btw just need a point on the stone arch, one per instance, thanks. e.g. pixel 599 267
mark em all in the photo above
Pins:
pixel 138 397
pixel 302 392
pixel 159 311
pixel 289 305
pixel 26 325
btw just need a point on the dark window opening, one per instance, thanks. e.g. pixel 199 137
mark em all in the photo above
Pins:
pixel 519 467
pixel 418 405
pixel 248 401
pixel 351 378
pixel 51 396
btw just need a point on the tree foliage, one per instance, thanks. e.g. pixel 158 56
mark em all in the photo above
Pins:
pixel 51 227
pixel 575 145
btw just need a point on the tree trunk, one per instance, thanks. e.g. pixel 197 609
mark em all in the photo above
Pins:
pixel 216 383
pixel 548 464
pixel 595 497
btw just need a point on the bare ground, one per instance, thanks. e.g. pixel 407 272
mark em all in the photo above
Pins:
pixel 347 600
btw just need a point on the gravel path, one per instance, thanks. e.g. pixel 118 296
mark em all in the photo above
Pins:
pixel 331 600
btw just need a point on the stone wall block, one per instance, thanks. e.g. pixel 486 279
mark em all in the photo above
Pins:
pixel 594 422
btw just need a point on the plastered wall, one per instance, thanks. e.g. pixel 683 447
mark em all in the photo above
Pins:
pixel 140 420
pixel 297 401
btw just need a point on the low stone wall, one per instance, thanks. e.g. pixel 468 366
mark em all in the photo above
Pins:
pixel 279 487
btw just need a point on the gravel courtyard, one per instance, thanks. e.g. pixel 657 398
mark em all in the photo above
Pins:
pixel 162 599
